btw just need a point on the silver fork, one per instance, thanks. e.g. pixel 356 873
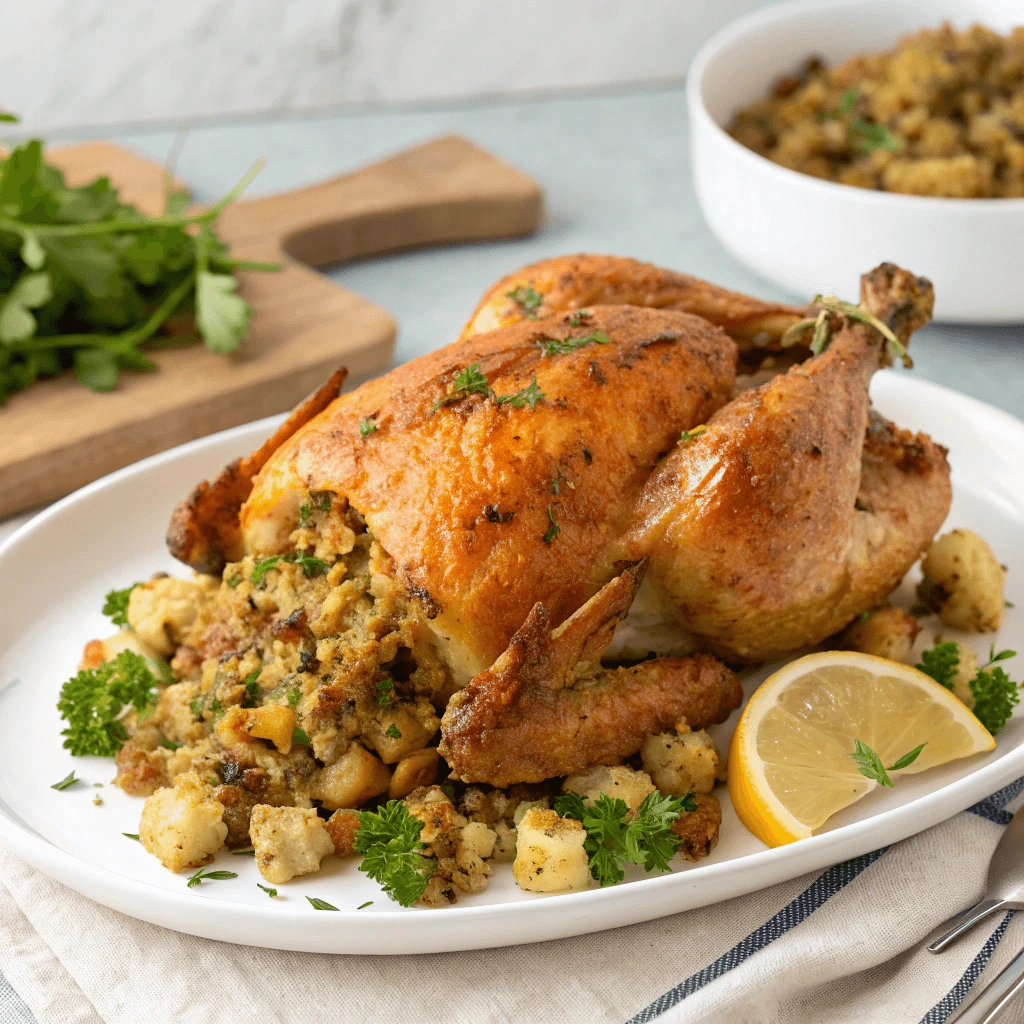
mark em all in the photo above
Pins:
pixel 1004 890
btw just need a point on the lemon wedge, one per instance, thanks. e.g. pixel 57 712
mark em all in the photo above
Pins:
pixel 790 764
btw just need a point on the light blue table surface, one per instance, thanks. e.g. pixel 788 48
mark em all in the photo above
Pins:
pixel 615 170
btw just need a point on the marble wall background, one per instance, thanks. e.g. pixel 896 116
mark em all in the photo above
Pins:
pixel 67 63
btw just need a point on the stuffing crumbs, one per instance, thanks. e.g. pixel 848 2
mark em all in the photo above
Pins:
pixel 942 114
pixel 294 707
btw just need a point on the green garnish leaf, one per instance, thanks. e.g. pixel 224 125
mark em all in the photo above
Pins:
pixel 294 696
pixel 132 835
pixel 563 346
pixel 299 736
pixel 393 731
pixel 529 395
pixel 527 298
pixel 870 765
pixel 867 136
pixel 270 892
pixel 221 315
pixel 846 104
pixel 304 511
pixel 319 904
pixel 553 530
pixel 363 906
pixel 578 317
pixel 995 693
pixel 389 841
pixel 8 118
pixel 941 662
pixel 250 852
pixel 233 581
pixel 366 427
pixel 385 692
pixel 615 837
pixel 262 567
pixel 252 688
pixel 688 435
pixel 67 782
pixel 209 876
pixel 907 759
pixel 93 702
pixel 115 605
pixel 168 744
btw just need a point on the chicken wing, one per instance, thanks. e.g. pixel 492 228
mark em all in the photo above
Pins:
pixel 547 707
pixel 797 509
pixel 494 472
pixel 576 282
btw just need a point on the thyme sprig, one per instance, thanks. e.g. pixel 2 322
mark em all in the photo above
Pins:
pixel 822 329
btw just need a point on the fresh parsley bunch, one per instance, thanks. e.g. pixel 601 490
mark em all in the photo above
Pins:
pixel 87 280
pixel 614 837
pixel 94 702
pixel 389 840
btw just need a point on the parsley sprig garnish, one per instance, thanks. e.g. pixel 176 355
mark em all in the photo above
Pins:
pixel 995 693
pixel 115 605
pixel 563 346
pixel 87 280
pixel 527 298
pixel 94 702
pixel 472 381
pixel 389 840
pixel 530 395
pixel 867 136
pixel 271 892
pixel 615 837
pixel 366 427
pixel 870 765
pixel 941 662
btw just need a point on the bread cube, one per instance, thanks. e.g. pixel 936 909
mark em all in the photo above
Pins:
pixel 549 853
pixel 616 781
pixel 182 825
pixel 162 610
pixel 352 780
pixel 342 827
pixel 288 841
pixel 963 582
pixel 681 762
pixel 418 769
pixel 271 722
pixel 886 633
pixel 403 728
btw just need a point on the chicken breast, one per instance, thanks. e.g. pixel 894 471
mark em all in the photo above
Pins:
pixel 495 472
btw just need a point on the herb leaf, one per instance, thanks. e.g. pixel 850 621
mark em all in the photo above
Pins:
pixel 67 782
pixel 563 346
pixel 553 530
pixel 995 693
pixel 389 840
pixel 385 692
pixel 527 298
pixel 941 662
pixel 869 764
pixel 867 136
pixel 132 835
pixel 212 876
pixel 270 892
pixel 115 605
pixel 318 904
pixel 615 837
pixel 92 703
pixel 366 427
pixel 262 567
pixel 908 758
pixel 252 688
pixel 689 435
pixel 530 395
pixel 393 731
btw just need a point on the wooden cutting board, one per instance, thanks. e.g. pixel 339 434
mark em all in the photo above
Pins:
pixel 57 435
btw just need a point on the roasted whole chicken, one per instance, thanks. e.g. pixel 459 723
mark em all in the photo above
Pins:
pixel 585 513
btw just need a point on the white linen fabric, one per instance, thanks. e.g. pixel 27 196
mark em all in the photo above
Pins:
pixel 841 946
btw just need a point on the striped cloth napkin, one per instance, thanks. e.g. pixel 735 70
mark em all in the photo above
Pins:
pixel 842 946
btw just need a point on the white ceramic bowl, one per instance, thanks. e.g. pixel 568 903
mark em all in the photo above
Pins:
pixel 809 235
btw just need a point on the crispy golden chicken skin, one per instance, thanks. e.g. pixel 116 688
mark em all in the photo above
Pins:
pixel 578 282
pixel 204 529
pixel 796 510
pixel 485 503
pixel 547 707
